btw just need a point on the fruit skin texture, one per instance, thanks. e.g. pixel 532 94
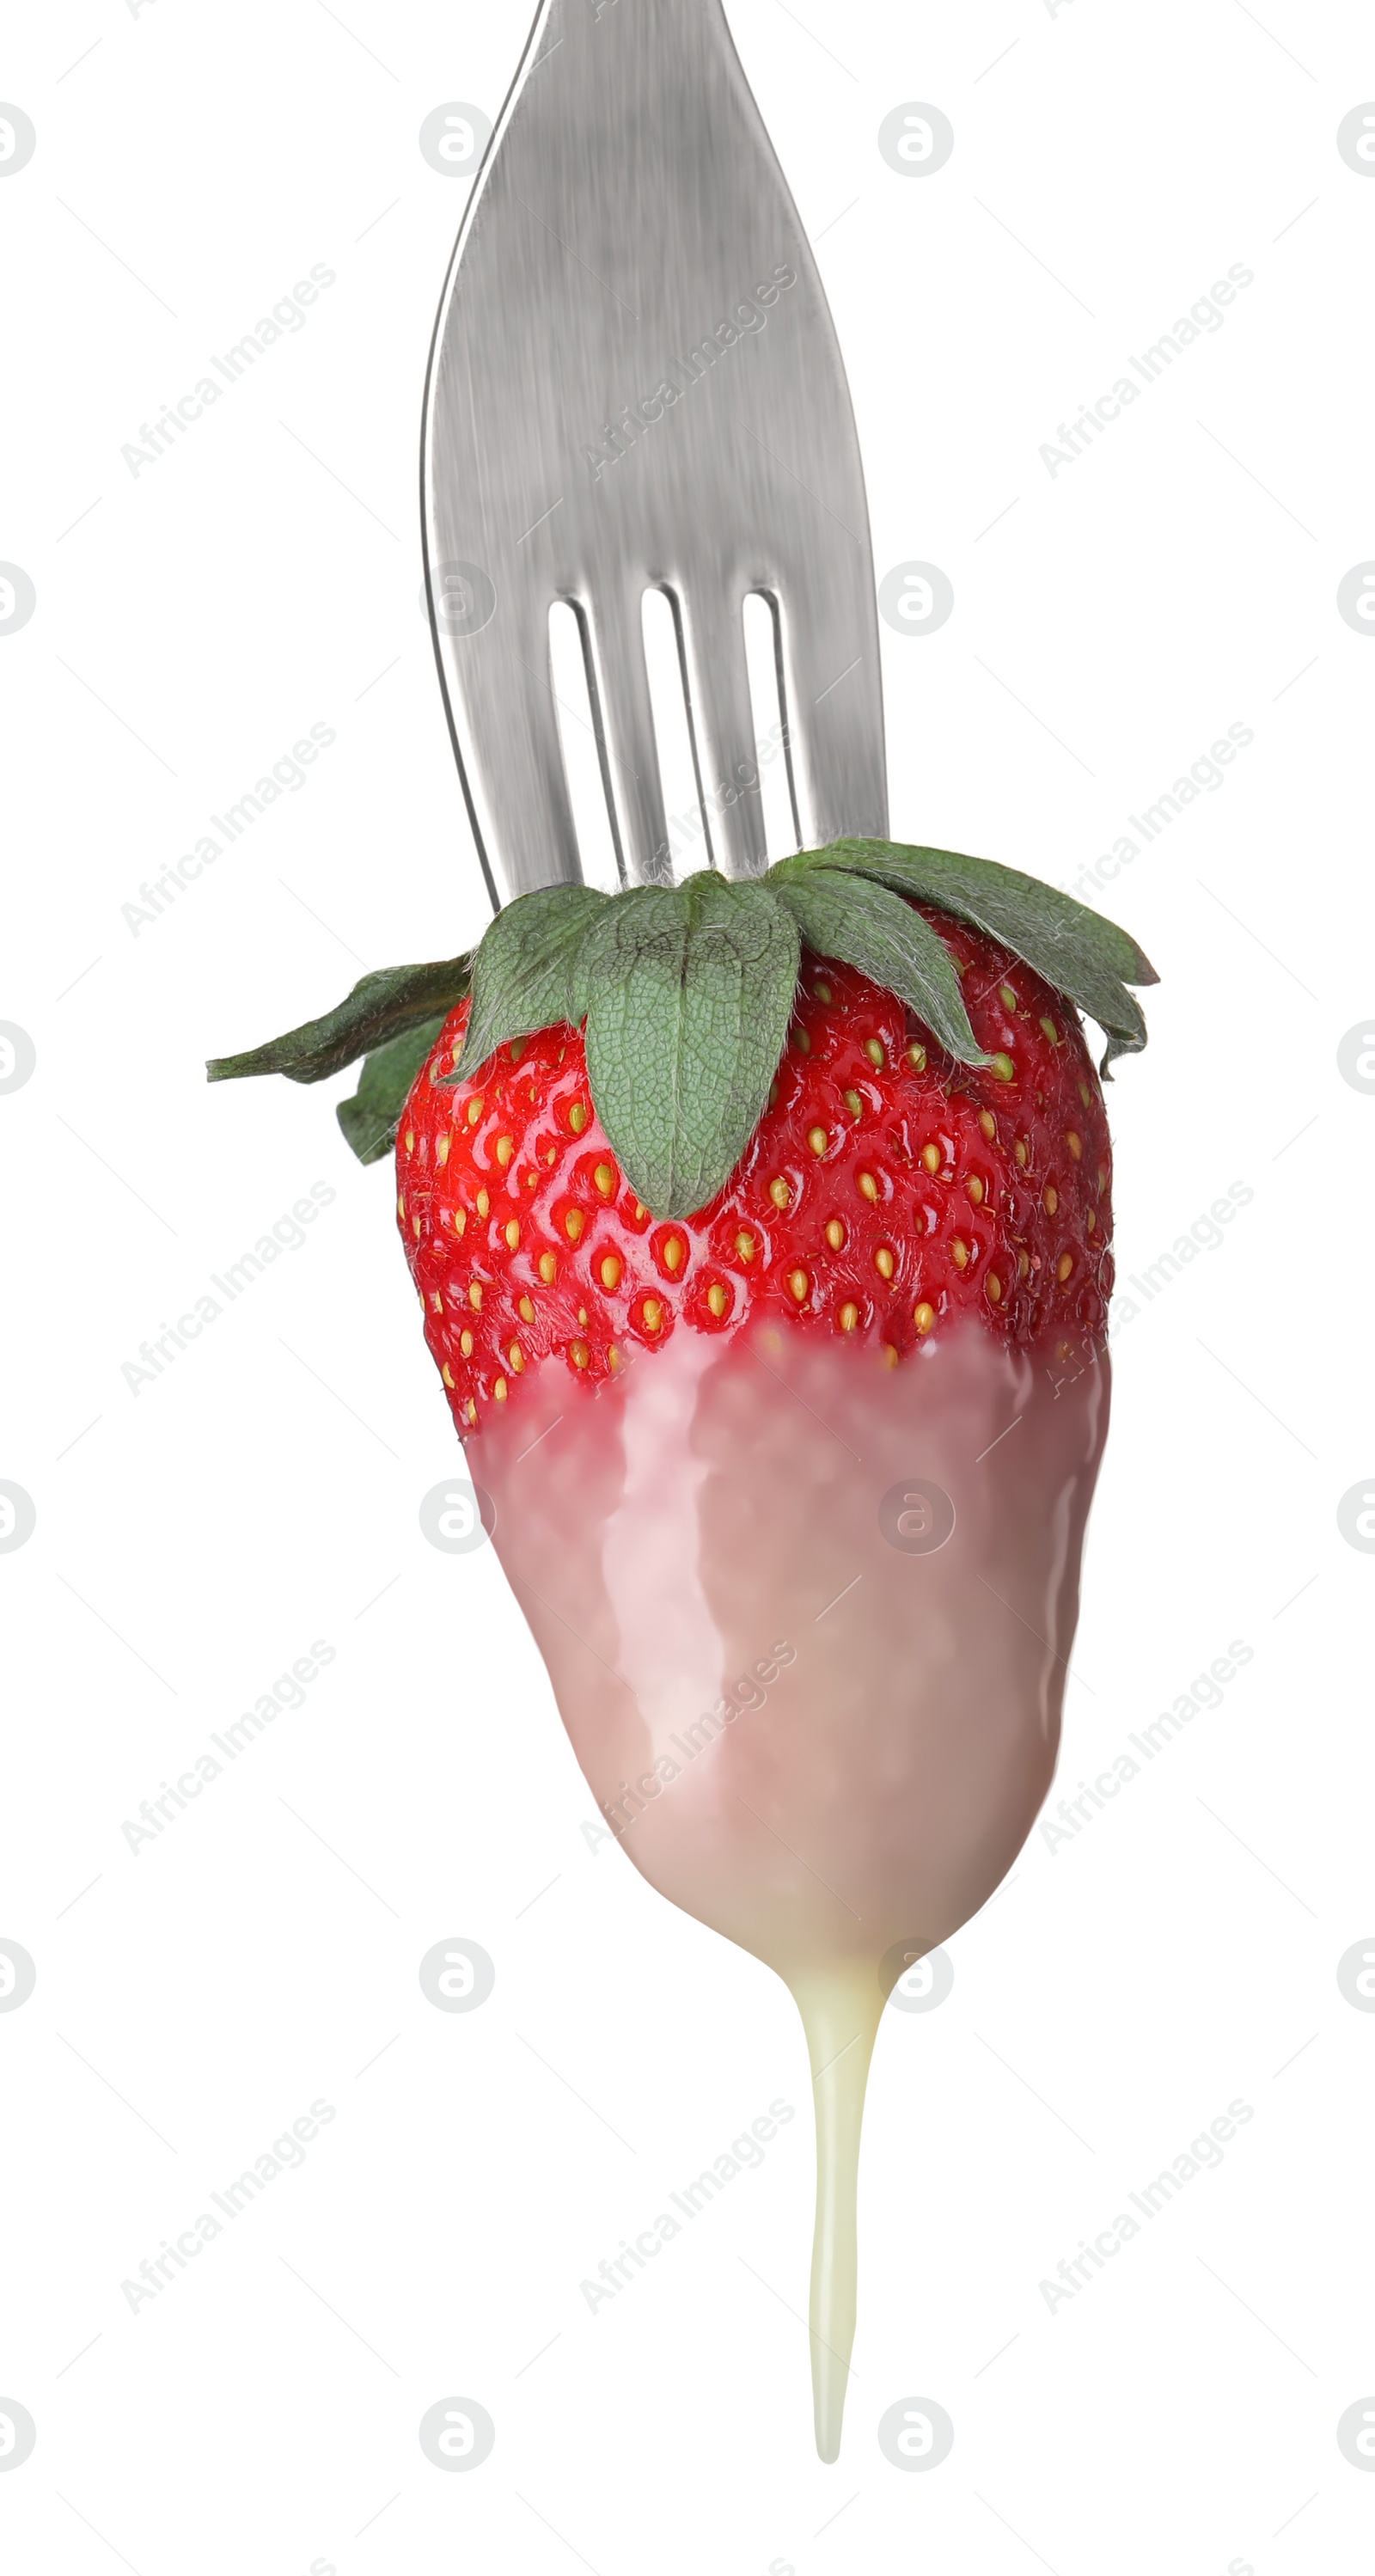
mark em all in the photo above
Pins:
pixel 887 1193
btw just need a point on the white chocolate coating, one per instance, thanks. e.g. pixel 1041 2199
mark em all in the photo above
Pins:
pixel 827 1745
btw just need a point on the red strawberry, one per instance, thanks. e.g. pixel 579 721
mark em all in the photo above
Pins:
pixel 888 1192
pixel 808 1623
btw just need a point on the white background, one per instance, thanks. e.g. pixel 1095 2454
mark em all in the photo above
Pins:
pixel 195 1537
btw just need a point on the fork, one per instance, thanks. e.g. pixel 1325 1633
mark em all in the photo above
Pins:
pixel 635 384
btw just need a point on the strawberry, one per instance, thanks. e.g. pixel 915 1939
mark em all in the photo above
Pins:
pixel 887 1193
pixel 849 1106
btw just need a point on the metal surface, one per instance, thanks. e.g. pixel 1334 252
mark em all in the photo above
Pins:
pixel 634 382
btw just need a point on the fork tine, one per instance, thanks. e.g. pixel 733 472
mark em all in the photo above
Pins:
pixel 833 704
pixel 504 720
pixel 711 639
pixel 625 721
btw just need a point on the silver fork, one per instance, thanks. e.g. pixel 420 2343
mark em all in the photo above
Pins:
pixel 635 383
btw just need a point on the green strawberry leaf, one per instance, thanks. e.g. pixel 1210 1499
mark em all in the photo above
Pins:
pixel 525 973
pixel 689 992
pixel 1084 956
pixel 379 1007
pixel 842 914
pixel 371 1118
